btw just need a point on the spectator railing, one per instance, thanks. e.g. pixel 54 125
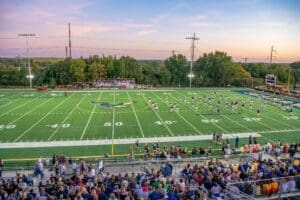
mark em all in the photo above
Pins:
pixel 259 190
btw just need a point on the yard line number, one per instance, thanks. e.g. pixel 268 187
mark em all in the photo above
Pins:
pixel 168 122
pixel 209 121
pixel 2 126
pixel 252 119
pixel 57 125
pixel 116 124
pixel 290 117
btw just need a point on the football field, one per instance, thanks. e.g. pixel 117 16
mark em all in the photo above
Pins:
pixel 33 119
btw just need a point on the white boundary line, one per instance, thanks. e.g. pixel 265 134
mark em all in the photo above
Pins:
pixel 70 113
pixel 136 117
pixel 186 121
pixel 22 105
pixel 90 117
pixel 36 123
pixel 162 121
pixel 118 90
pixel 120 141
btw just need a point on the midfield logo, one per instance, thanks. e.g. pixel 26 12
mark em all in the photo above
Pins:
pixel 110 105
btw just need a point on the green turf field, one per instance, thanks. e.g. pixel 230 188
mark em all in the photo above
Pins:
pixel 117 115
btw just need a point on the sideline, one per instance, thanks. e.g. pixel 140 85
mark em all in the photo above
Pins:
pixel 66 143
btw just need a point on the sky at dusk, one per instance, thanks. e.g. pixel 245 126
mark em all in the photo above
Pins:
pixel 152 29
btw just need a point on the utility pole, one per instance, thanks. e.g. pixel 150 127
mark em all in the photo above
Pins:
pixel 70 51
pixel 66 51
pixel 19 61
pixel 173 52
pixel 193 39
pixel 272 56
pixel 245 60
pixel 26 35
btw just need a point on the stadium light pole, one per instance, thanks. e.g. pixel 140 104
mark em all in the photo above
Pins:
pixel 26 35
pixel 191 75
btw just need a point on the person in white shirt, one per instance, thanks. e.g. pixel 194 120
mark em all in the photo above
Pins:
pixel 216 190
pixel 284 186
pixel 92 173
pixel 291 185
pixel 62 170
pixel 74 167
pixel 101 166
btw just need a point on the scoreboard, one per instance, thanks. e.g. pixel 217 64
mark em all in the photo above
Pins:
pixel 271 79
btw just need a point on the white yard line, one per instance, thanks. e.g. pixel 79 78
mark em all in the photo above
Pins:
pixel 249 111
pixel 90 117
pixel 9 97
pixel 161 120
pixel 247 127
pixel 215 124
pixel 31 110
pixel 36 123
pixel 21 105
pixel 120 141
pixel 113 121
pixel 186 121
pixel 70 113
pixel 241 125
pixel 271 108
pixel 285 124
pixel 136 117
pixel 9 103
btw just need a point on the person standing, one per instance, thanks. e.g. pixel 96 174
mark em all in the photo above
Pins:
pixel 1 167
pixel 237 140
pixel 101 166
pixel 250 139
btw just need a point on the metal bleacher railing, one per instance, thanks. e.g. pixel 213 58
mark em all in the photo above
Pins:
pixel 261 191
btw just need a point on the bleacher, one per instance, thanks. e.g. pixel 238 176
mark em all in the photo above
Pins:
pixel 204 177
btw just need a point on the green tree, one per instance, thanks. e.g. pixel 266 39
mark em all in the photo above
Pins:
pixel 218 69
pixel 77 67
pixel 178 67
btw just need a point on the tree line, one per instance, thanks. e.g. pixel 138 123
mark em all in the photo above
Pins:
pixel 211 69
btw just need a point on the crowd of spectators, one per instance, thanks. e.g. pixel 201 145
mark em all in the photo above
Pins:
pixel 259 177
pixel 71 179
pixel 117 83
